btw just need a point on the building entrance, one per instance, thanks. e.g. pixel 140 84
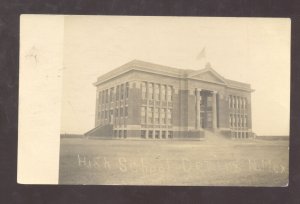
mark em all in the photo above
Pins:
pixel 206 112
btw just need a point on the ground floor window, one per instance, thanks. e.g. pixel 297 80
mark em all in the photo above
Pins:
pixel 120 133
pixel 170 134
pixel 157 134
pixel 150 134
pixel 143 133
pixel 125 133
pixel 163 134
pixel 240 134
pixel 153 134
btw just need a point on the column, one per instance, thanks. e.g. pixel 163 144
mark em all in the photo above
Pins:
pixel 198 119
pixel 214 109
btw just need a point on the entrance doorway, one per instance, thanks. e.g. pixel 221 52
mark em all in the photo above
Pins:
pixel 206 114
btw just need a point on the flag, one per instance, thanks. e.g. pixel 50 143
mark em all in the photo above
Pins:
pixel 202 54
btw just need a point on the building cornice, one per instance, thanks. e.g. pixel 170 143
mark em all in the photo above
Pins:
pixel 181 74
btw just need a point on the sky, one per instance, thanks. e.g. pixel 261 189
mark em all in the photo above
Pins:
pixel 250 50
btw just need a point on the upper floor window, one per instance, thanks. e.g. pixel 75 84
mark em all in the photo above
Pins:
pixel 102 97
pixel 233 120
pixel 127 90
pixel 143 114
pixel 126 111
pixel 118 92
pixel 169 93
pixel 163 92
pixel 163 115
pixel 106 95
pixel 233 101
pixel 144 90
pixel 150 87
pixel 150 115
pixel 241 102
pixel 111 93
pixel 99 97
pixel 122 91
pixel 157 92
pixel 169 116
pixel 156 115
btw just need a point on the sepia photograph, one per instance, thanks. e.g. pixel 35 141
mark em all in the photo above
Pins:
pixel 172 101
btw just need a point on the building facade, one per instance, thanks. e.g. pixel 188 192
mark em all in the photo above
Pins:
pixel 148 101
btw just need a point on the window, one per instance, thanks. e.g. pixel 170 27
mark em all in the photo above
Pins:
pixel 157 92
pixel 121 112
pixel 156 134
pixel 169 116
pixel 209 101
pixel 229 101
pixel 233 121
pixel 163 92
pixel 245 121
pixel 150 115
pixel 163 134
pixel 245 103
pixel 143 133
pixel 99 97
pixel 241 121
pixel 116 133
pixel 117 112
pixel 237 102
pixel 122 91
pixel 169 93
pixel 150 134
pixel 144 90
pixel 125 122
pixel 120 133
pixel 125 133
pixel 233 102
pixel 156 116
pixel 111 94
pixel 127 90
pixel 170 134
pixel 111 116
pixel 118 92
pixel 230 120
pixel 106 95
pixel 126 111
pixel 163 115
pixel 103 97
pixel 143 114
pixel 241 103
pixel 151 96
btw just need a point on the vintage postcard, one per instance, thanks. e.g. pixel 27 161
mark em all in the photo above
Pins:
pixel 138 100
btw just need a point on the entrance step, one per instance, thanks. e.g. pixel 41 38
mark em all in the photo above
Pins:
pixel 215 137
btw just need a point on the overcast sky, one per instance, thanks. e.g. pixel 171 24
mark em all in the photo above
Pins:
pixel 251 50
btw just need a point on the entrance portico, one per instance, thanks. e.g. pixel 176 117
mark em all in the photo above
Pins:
pixel 206 109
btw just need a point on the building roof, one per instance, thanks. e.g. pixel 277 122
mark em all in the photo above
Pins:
pixel 172 72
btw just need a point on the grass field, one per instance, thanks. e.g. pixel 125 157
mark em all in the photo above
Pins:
pixel 168 162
